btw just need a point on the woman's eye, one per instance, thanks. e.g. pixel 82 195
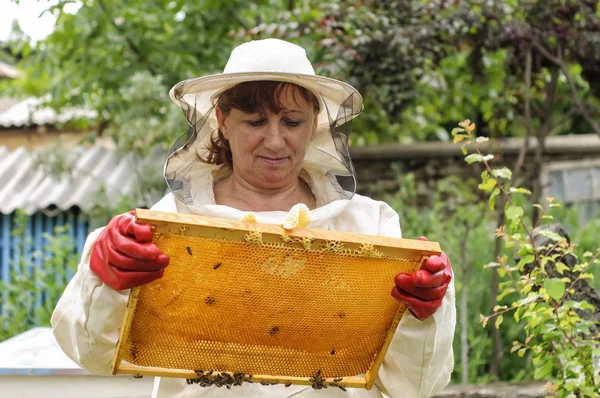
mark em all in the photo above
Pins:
pixel 292 123
pixel 255 123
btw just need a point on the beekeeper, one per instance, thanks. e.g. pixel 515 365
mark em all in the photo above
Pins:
pixel 264 135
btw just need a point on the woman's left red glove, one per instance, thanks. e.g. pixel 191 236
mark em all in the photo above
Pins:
pixel 423 290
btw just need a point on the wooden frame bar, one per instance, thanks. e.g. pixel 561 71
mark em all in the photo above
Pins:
pixel 217 228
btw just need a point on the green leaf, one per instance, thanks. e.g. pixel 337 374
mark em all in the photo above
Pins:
pixel 544 371
pixel 474 157
pixel 464 149
pixel 520 190
pixel 488 157
pixel 458 130
pixel 502 173
pixel 502 272
pixel 551 235
pixel 561 268
pixel 528 300
pixel 514 212
pixel 458 137
pixel 481 140
pixel 493 198
pixel 499 320
pixel 485 177
pixel 488 185
pixel 555 288
pixel 524 261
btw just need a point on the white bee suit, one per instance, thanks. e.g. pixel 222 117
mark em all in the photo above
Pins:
pixel 418 363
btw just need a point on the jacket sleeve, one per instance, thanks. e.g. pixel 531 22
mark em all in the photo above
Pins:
pixel 88 317
pixel 420 359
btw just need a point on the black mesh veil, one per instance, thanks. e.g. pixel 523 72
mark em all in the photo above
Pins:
pixel 328 155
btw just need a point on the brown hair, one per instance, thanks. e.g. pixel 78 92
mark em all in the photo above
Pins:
pixel 252 97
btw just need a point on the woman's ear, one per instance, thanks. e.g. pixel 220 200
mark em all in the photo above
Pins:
pixel 221 118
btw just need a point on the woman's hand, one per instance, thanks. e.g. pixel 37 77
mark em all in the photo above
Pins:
pixel 123 256
pixel 423 290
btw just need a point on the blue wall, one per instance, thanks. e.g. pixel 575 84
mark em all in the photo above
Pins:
pixel 37 225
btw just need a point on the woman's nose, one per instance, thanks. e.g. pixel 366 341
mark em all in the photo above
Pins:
pixel 274 139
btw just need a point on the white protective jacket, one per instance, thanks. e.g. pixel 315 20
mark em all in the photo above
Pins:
pixel 418 363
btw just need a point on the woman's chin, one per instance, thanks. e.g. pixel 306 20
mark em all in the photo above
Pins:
pixel 275 179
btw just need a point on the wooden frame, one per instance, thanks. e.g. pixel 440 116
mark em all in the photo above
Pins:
pixel 219 228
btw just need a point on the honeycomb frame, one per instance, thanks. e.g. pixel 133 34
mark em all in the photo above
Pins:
pixel 173 234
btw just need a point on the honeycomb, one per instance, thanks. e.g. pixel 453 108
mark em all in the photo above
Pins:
pixel 282 309
pixel 250 217
pixel 298 216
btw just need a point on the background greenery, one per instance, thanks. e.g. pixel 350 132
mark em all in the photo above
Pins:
pixel 518 68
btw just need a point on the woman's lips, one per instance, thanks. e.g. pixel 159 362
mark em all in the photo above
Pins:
pixel 273 161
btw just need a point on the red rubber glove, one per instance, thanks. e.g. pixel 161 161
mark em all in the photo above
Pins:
pixel 123 256
pixel 423 290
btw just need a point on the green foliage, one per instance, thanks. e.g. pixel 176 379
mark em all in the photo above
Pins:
pixel 422 66
pixel 27 284
pixel 458 220
pixel 537 292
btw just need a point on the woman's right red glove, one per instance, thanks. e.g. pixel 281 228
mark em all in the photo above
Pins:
pixel 123 256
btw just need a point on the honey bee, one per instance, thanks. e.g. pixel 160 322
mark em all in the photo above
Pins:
pixel 317 381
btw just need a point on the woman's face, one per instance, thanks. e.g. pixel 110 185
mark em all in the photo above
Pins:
pixel 268 149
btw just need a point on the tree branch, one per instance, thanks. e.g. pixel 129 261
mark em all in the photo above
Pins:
pixel 130 43
pixel 563 119
pixel 559 62
pixel 548 101
pixel 528 122
pixel 536 108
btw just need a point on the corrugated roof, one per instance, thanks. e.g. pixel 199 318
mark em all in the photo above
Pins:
pixel 30 113
pixel 6 103
pixel 23 186
pixel 8 71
